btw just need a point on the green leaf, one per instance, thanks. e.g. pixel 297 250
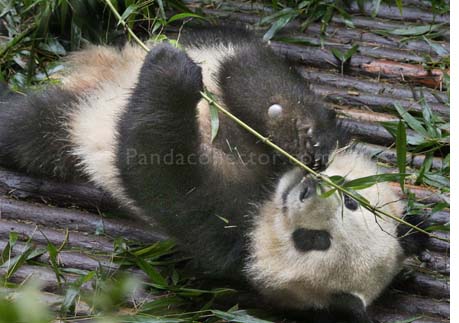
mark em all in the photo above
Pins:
pixel 426 165
pixel 129 11
pixel 16 262
pixel 349 53
pixel 184 15
pixel 400 145
pixel 72 292
pixel 53 46
pixel 337 53
pixel 368 181
pixel 238 317
pixel 440 227
pixel 411 31
pixel 53 253
pixel 376 5
pixel 152 273
pixel 414 124
pixel 6 253
pixel 279 24
pixel 399 4
pixel 347 18
pixel 438 48
pixel 162 304
pixel 337 179
pixel 161 9
pixel 328 193
pixel 214 121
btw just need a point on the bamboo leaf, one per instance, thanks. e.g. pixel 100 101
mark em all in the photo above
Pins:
pixel 155 277
pixel 351 52
pixel 400 144
pixel 238 317
pixel 184 15
pixel 214 121
pixel 129 10
pixel 368 181
pixel 337 53
pixel 279 24
pixel 414 124
pixel 411 31
pixel 328 193
pixel 426 165
pixel 376 5
pixel 399 4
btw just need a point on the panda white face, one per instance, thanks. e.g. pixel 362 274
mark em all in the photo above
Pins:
pixel 306 248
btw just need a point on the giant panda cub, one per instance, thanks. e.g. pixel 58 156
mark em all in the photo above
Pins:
pixel 134 124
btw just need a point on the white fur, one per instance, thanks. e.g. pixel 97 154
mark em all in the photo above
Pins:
pixel 105 78
pixel 364 254
pixel 210 59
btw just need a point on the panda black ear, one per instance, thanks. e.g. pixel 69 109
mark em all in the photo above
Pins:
pixel 413 242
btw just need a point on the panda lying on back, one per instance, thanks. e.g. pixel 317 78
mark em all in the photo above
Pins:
pixel 134 124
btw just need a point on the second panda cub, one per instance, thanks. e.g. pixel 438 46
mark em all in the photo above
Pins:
pixel 135 125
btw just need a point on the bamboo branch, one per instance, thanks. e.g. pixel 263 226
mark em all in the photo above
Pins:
pixel 76 220
pixel 63 194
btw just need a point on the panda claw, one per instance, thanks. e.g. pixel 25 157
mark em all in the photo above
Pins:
pixel 309 132
pixel 317 144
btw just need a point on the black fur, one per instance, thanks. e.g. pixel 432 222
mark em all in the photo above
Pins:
pixel 349 308
pixel 33 134
pixel 412 242
pixel 254 79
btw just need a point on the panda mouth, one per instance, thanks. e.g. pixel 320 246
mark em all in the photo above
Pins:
pixel 306 240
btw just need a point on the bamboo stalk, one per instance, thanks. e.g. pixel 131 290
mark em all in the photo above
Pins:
pixel 371 86
pixel 359 64
pixel 63 194
pixel 76 220
pixel 378 103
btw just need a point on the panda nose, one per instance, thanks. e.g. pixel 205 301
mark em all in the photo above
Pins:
pixel 307 188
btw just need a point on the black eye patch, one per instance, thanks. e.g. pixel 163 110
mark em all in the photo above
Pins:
pixel 350 203
pixel 307 240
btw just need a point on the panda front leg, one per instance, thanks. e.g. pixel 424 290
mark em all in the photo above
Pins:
pixel 159 130
pixel 349 307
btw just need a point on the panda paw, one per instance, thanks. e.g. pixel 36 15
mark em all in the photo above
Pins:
pixel 316 150
pixel 173 72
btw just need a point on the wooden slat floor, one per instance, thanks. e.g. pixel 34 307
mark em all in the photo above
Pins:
pixel 386 70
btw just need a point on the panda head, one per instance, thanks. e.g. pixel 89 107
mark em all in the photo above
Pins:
pixel 305 249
